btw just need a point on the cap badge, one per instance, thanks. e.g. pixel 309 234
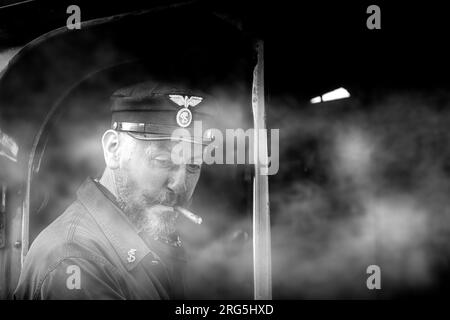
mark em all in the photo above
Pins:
pixel 184 115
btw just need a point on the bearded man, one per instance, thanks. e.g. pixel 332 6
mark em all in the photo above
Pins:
pixel 118 239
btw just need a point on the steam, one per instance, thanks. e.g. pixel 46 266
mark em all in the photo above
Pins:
pixel 377 204
pixel 357 186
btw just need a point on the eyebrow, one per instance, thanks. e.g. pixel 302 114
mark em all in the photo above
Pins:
pixel 166 146
pixel 155 146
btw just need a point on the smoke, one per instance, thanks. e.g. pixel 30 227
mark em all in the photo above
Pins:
pixel 360 184
pixel 370 188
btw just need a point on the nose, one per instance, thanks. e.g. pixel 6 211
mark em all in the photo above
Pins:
pixel 177 180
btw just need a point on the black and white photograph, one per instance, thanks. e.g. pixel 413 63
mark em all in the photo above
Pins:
pixel 225 151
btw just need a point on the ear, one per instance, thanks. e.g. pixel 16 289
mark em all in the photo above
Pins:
pixel 111 144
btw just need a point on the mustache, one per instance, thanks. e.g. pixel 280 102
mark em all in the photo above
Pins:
pixel 167 198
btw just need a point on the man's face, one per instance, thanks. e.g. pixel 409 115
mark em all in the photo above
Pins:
pixel 147 176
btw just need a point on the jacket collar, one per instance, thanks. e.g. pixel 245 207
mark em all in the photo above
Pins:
pixel 123 236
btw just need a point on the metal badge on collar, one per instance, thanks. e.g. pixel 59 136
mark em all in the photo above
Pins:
pixel 184 115
pixel 131 255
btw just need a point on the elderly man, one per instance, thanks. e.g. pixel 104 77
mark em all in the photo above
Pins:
pixel 118 239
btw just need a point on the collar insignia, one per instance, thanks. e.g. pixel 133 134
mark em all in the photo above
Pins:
pixel 131 255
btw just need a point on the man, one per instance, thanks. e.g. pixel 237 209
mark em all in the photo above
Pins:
pixel 118 239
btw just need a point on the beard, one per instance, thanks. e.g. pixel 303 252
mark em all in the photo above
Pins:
pixel 137 206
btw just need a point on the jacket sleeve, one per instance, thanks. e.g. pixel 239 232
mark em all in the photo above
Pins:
pixel 80 279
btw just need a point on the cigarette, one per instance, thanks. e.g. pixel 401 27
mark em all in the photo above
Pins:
pixel 188 214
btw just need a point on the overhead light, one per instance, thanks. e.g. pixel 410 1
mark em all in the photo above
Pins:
pixel 340 93
pixel 316 99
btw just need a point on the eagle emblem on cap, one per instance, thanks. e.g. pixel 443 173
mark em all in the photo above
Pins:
pixel 184 115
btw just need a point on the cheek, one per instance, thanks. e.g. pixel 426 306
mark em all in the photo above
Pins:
pixel 149 179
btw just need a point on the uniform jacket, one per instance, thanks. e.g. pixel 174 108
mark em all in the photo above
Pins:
pixel 92 252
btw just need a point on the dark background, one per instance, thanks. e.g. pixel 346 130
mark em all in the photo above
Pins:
pixel 295 34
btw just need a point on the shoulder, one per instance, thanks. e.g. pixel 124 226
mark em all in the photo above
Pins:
pixel 75 229
pixel 73 233
pixel 73 278
pixel 73 239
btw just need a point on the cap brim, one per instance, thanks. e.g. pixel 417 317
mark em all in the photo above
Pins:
pixel 159 137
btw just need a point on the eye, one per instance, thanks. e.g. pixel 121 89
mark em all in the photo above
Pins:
pixel 193 168
pixel 163 162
